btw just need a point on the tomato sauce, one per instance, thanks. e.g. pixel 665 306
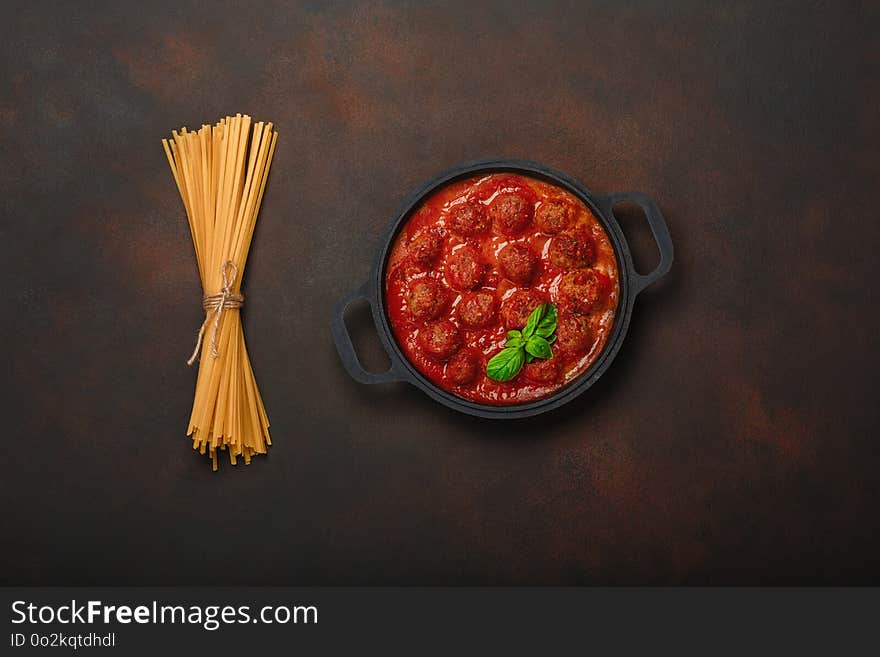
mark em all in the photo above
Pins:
pixel 453 290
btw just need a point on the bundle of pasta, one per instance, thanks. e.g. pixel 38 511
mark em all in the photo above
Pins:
pixel 221 173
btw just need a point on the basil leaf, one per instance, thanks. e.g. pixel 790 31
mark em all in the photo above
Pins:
pixel 547 325
pixel 533 321
pixel 525 346
pixel 506 364
pixel 539 347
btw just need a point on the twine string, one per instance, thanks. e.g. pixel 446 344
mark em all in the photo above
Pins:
pixel 226 299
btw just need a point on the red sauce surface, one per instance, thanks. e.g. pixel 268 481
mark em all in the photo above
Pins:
pixel 440 260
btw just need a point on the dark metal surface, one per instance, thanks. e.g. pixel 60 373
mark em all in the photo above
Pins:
pixel 630 282
pixel 733 441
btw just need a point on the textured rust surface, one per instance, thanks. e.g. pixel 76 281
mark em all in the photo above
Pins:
pixel 733 441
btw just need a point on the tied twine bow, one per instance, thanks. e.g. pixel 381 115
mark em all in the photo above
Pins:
pixel 223 300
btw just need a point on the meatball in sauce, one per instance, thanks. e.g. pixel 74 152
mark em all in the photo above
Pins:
pixel 468 219
pixel 465 268
pixel 426 299
pixel 511 212
pixel 440 339
pixel 477 310
pixel 463 367
pixel 553 217
pixel 518 264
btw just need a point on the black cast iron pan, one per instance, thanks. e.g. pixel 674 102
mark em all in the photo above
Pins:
pixel 631 284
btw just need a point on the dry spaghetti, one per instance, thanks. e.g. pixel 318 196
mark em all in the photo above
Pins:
pixel 221 172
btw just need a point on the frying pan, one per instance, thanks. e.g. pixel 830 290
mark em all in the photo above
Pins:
pixel 631 283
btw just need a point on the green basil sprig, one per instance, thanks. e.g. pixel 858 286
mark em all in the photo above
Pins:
pixel 524 346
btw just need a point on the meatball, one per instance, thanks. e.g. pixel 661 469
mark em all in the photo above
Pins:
pixel 572 250
pixel 517 263
pixel 425 247
pixel 517 307
pixel 553 216
pixel 427 298
pixel 542 370
pixel 477 310
pixel 468 219
pixel 579 291
pixel 465 268
pixel 462 367
pixel 572 335
pixel 440 339
pixel 511 212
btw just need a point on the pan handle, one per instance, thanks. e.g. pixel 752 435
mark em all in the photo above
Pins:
pixel 346 349
pixel 658 228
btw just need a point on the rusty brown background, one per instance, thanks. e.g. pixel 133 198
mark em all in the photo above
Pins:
pixel 733 441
